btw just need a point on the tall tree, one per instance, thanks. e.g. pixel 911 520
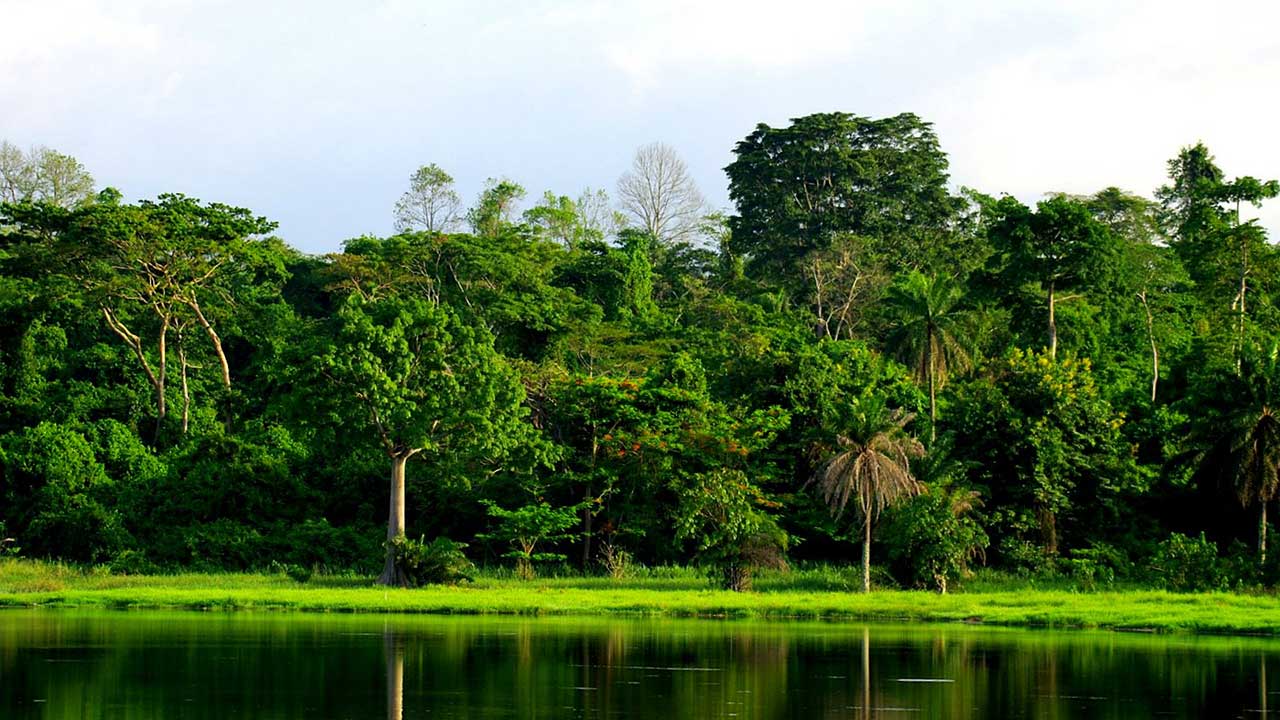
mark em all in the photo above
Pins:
pixel 495 209
pixel 597 214
pixel 1060 247
pixel 423 383
pixel 431 204
pixel 660 196
pixel 1149 271
pixel 927 332
pixel 871 463
pixel 43 175
pixel 558 218
pixel 797 188
pixel 1222 254
pixel 151 268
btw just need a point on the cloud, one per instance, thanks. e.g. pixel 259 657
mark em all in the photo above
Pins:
pixel 314 111
pixel 1117 100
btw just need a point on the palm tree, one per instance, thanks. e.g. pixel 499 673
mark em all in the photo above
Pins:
pixel 1244 454
pixel 871 463
pixel 927 331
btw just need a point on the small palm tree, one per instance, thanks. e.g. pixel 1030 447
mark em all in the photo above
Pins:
pixel 870 463
pixel 927 334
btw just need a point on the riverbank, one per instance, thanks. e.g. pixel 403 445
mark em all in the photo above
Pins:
pixel 24 584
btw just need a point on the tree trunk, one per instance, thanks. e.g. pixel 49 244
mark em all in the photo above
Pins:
pixel 587 521
pixel 1244 271
pixel 1049 530
pixel 933 400
pixel 186 391
pixel 1155 351
pixel 866 556
pixel 222 359
pixel 1262 534
pixel 392 574
pixel 1053 327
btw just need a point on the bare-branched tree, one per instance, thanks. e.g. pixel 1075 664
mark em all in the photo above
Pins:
pixel 431 204
pixel 660 196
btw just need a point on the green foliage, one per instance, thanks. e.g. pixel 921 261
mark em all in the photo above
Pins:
pixel 439 562
pixel 1041 439
pixel 179 389
pixel 57 495
pixel 827 174
pixel 728 521
pixel 528 527
pixel 1098 565
pixel 935 536
pixel 1186 564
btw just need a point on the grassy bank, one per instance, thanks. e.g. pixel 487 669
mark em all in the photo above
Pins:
pixel 817 596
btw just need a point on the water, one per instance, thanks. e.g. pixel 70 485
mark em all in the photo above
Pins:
pixel 139 665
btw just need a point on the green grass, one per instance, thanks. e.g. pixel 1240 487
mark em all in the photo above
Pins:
pixel 817 594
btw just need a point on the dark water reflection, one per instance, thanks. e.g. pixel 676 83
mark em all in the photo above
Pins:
pixel 62 664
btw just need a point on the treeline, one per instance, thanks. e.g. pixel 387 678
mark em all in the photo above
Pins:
pixel 856 359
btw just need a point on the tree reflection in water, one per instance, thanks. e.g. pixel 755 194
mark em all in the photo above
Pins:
pixel 57 664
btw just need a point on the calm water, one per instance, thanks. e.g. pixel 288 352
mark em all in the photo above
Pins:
pixel 63 664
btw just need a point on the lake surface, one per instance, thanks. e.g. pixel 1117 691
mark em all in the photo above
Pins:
pixel 137 665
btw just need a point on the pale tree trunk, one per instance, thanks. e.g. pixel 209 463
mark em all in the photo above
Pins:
pixel 216 340
pixel 156 379
pixel 1053 327
pixel 933 392
pixel 1155 351
pixel 186 391
pixel 1244 287
pixel 392 574
pixel 866 556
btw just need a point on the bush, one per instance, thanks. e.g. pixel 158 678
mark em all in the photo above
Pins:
pixel 439 562
pixel 132 562
pixel 219 545
pixel 1098 565
pixel 934 538
pixel 618 563
pixel 1184 564
pixel 316 542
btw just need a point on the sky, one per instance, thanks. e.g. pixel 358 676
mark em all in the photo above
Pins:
pixel 315 113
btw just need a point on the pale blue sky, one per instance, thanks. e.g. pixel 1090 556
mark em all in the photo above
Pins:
pixel 315 113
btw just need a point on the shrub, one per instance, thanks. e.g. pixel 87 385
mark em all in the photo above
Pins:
pixel 1185 564
pixel 132 562
pixel 934 537
pixel 615 561
pixel 439 562
pixel 528 527
pixel 1097 565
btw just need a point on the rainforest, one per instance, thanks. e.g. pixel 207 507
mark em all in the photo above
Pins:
pixel 859 374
